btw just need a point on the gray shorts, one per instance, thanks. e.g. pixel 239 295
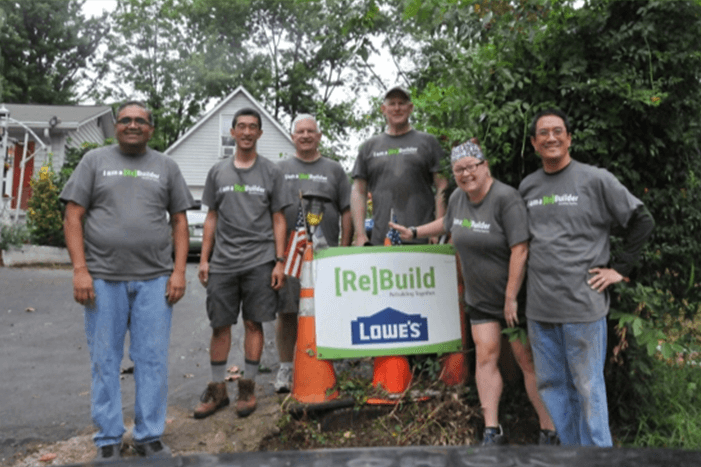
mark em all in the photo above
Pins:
pixel 289 296
pixel 249 291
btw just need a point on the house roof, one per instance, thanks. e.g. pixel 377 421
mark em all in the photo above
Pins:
pixel 215 111
pixel 71 117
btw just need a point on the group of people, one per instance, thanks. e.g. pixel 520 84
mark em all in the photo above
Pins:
pixel 127 235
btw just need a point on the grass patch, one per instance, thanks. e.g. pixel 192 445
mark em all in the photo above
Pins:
pixel 670 417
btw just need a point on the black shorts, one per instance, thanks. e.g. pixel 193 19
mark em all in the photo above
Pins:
pixel 479 317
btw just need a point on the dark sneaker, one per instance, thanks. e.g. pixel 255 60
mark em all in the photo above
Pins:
pixel 548 438
pixel 213 398
pixel 493 436
pixel 246 401
pixel 153 449
pixel 283 380
pixel 109 453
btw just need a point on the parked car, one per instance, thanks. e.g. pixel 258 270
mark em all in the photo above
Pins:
pixel 195 222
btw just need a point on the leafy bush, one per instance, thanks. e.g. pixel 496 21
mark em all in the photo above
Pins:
pixel 13 235
pixel 45 210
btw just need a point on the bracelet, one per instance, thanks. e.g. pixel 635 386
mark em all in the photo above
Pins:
pixel 280 259
pixel 413 231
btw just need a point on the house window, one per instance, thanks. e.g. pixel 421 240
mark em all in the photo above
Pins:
pixel 227 142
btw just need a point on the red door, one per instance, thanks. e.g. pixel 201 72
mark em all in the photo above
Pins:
pixel 28 172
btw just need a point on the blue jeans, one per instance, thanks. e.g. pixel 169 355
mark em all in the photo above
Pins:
pixel 140 307
pixel 569 365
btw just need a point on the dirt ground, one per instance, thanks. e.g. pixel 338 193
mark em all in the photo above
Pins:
pixel 450 416
pixel 223 432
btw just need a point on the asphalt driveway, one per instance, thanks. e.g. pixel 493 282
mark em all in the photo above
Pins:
pixel 45 366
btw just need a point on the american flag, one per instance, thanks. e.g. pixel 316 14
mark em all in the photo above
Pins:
pixel 393 237
pixel 295 246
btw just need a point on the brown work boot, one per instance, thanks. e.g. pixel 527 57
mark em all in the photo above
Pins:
pixel 213 398
pixel 246 402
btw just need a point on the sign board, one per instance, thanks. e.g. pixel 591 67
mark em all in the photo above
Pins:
pixel 373 301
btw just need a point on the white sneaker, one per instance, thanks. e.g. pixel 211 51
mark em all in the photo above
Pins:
pixel 283 380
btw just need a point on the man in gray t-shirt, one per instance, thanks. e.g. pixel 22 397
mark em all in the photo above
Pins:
pixel 244 232
pixel 400 168
pixel 124 274
pixel 572 208
pixel 308 172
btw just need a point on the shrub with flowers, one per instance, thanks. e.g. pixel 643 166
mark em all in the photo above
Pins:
pixel 45 210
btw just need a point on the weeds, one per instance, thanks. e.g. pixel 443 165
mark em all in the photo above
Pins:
pixel 13 235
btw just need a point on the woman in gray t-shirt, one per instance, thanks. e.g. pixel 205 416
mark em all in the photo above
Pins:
pixel 488 225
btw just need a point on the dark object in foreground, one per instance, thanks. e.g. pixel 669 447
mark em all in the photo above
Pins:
pixel 467 456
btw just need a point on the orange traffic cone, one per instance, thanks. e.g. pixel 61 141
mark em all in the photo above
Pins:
pixel 312 379
pixel 391 373
pixel 454 369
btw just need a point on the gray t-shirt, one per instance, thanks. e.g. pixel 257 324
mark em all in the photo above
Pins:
pixel 127 198
pixel 483 234
pixel 399 172
pixel 245 200
pixel 323 176
pixel 570 217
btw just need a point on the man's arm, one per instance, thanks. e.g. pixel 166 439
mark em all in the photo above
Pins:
pixel 346 228
pixel 210 227
pixel 279 229
pixel 175 289
pixel 517 272
pixel 359 204
pixel 636 234
pixel 83 291
pixel 441 183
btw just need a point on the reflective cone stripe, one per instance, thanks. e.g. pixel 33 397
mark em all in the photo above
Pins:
pixel 312 379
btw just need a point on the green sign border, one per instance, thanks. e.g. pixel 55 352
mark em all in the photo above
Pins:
pixel 331 353
pixel 357 250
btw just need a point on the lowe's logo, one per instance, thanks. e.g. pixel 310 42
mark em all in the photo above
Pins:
pixel 389 326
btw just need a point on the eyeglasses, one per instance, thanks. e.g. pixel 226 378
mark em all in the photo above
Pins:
pixel 457 171
pixel 126 121
pixel 556 132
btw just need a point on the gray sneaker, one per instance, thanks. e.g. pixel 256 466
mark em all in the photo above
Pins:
pixel 493 436
pixel 110 452
pixel 283 380
pixel 154 449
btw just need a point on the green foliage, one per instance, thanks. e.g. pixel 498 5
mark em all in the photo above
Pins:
pixel 47 46
pixel 670 413
pixel 626 73
pixel 13 235
pixel 72 158
pixel 44 210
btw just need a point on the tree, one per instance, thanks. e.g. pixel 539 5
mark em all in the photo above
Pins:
pixel 628 75
pixel 153 56
pixel 312 53
pixel 47 46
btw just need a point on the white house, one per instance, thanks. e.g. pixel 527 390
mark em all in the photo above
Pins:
pixel 208 141
pixel 33 132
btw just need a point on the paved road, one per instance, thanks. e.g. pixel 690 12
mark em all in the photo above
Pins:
pixel 45 367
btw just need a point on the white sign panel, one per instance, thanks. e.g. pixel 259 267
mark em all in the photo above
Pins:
pixel 400 300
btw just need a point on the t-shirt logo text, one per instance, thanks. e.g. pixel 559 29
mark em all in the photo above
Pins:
pixel 470 224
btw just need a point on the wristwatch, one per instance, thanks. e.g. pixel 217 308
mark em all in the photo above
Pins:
pixel 413 231
pixel 280 259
